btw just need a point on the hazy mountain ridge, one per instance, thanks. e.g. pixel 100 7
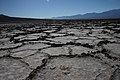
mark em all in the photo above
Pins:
pixel 111 14
pixel 9 19
pixel 115 13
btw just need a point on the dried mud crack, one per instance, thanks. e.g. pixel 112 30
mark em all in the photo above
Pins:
pixel 59 52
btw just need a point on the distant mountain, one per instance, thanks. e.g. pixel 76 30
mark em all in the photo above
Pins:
pixel 2 15
pixel 115 13
pixel 111 14
pixel 8 19
pixel 4 18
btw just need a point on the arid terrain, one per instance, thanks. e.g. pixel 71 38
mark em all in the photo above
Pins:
pixel 60 50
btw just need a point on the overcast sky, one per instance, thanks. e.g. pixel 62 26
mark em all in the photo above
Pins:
pixel 54 8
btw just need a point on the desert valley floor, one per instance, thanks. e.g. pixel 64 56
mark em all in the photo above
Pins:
pixel 35 52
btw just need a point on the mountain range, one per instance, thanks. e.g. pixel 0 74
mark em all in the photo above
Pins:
pixel 9 19
pixel 115 13
pixel 111 14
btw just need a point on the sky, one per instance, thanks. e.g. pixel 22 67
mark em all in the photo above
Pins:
pixel 55 8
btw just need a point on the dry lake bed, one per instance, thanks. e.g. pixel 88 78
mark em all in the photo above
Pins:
pixel 59 52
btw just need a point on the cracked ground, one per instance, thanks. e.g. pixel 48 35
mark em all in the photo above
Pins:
pixel 54 53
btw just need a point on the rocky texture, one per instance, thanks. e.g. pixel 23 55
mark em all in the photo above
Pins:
pixel 11 69
pixel 22 54
pixel 116 75
pixel 35 60
pixel 10 46
pixel 56 51
pixel 59 52
pixel 79 50
pixel 30 47
pixel 4 53
pixel 64 68
pixel 113 49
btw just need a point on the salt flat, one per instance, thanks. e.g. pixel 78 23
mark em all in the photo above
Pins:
pixel 60 53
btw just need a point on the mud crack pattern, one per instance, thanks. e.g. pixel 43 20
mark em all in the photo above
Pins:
pixel 59 52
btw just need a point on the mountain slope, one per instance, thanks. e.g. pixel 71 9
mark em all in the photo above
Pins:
pixel 8 19
pixel 115 13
